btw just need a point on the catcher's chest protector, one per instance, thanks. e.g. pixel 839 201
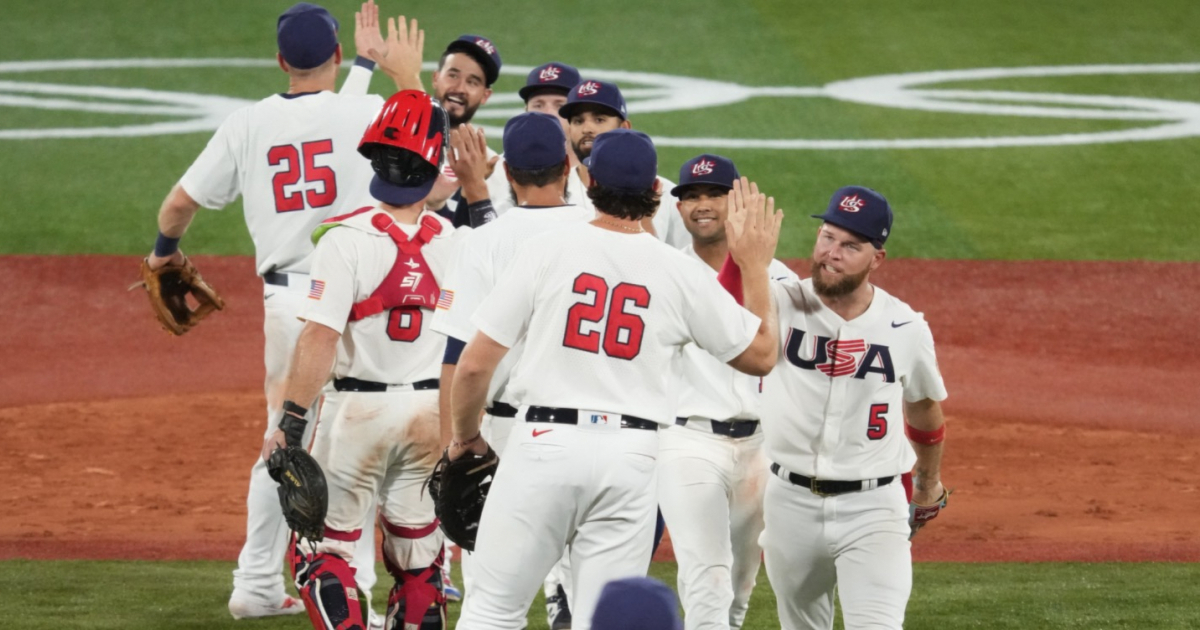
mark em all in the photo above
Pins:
pixel 410 281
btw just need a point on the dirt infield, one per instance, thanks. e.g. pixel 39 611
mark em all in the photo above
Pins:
pixel 1071 429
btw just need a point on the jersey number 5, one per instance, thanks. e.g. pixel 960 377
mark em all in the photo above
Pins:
pixel 622 331
pixel 877 425
pixel 309 171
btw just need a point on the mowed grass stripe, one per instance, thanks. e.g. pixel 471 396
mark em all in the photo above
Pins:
pixel 192 595
pixel 1115 201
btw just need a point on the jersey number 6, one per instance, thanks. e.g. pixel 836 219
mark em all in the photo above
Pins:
pixel 622 331
pixel 310 171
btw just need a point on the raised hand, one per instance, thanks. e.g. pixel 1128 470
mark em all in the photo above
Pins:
pixel 368 42
pixel 401 56
pixel 752 225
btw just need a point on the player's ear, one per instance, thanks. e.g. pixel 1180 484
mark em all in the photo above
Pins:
pixel 658 185
pixel 486 95
pixel 625 124
pixel 282 64
pixel 507 173
pixel 880 255
pixel 337 56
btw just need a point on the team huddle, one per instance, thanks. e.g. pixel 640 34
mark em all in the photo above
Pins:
pixel 579 346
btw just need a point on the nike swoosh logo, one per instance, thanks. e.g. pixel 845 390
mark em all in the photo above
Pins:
pixel 268 296
pixel 537 432
pixel 895 325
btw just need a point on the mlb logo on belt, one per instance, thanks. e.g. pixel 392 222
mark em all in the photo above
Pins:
pixel 851 204
pixel 599 418
pixel 589 88
pixel 549 74
pixel 703 167
pixel 486 45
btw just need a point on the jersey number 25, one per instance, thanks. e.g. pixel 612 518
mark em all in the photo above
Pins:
pixel 308 170
pixel 622 331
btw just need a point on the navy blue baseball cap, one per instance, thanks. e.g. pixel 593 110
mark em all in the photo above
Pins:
pixel 307 35
pixel 483 51
pixel 862 211
pixel 392 194
pixel 534 140
pixel 592 92
pixel 624 160
pixel 636 604
pixel 706 169
pixel 553 76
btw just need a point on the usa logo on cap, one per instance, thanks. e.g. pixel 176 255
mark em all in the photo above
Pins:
pixel 549 74
pixel 703 167
pixel 589 88
pixel 486 46
pixel 851 204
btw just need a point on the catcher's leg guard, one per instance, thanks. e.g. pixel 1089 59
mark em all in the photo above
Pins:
pixel 327 585
pixel 417 600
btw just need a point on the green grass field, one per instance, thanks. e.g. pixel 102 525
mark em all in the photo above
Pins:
pixel 1124 200
pixel 1096 201
pixel 192 595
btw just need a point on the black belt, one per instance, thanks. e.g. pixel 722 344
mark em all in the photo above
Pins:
pixel 827 488
pixel 558 415
pixel 275 278
pixel 359 385
pixel 501 410
pixel 730 428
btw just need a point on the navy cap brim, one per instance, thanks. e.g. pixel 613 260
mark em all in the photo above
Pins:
pixel 838 221
pixel 529 91
pixel 490 71
pixel 400 195
pixel 570 109
pixel 682 187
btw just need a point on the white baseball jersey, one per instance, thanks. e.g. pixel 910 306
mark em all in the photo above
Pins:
pixel 484 255
pixel 614 306
pixel 667 222
pixel 294 159
pixel 710 388
pixel 349 263
pixel 835 400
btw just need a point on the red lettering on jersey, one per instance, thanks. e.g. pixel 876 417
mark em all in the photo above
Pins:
pixel 623 330
pixel 841 356
pixel 322 195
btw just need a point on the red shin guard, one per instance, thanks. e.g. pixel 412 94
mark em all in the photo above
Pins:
pixel 330 594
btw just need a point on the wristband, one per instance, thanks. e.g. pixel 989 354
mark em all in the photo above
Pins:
pixel 480 213
pixel 292 424
pixel 730 277
pixel 364 62
pixel 927 438
pixel 165 245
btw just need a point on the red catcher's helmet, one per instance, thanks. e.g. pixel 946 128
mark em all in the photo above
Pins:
pixel 406 143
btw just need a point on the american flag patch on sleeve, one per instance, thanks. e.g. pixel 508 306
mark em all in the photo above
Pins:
pixel 317 290
pixel 446 299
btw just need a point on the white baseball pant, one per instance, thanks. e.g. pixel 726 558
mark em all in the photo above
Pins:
pixel 710 491
pixel 590 488
pixel 496 430
pixel 856 542
pixel 260 564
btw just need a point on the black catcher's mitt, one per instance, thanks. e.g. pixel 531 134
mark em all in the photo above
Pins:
pixel 302 491
pixel 459 488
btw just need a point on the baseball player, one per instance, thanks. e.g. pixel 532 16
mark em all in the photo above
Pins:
pixel 373 284
pixel 602 308
pixel 711 468
pixel 852 405
pixel 592 108
pixel 536 169
pixel 545 90
pixel 463 82
pixel 292 158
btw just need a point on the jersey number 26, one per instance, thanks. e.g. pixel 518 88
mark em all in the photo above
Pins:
pixel 622 331
pixel 317 196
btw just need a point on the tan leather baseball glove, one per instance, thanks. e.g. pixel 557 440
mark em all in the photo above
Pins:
pixel 168 288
